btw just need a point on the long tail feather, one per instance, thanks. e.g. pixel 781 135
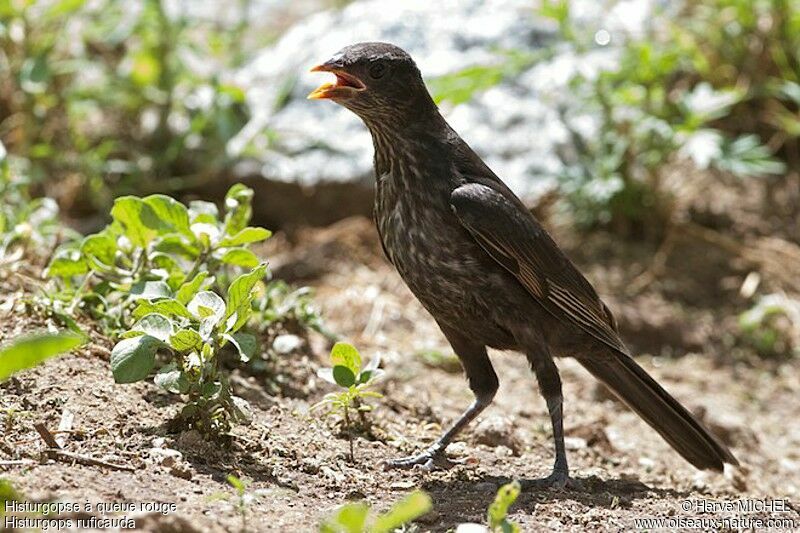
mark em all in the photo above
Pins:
pixel 682 430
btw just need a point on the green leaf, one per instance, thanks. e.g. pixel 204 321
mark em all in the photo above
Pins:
pixel 237 204
pixel 177 245
pixel 168 307
pixel 150 290
pixel 237 484
pixel 187 291
pixel 145 69
pixel 101 247
pixel 240 257
pixel 346 355
pixel 35 74
pixel 409 508
pixel 240 295
pixel 64 7
pixel 246 236
pixel 498 510
pixel 30 350
pixel 67 264
pixel 144 220
pixel 204 212
pixel 350 518
pixel 207 303
pixel 138 220
pixel 343 376
pixel 172 214
pixel 133 359
pixel 155 325
pixel 184 340
pixel 245 344
pixel 170 378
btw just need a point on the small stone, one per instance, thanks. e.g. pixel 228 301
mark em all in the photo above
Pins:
pixel 486 486
pixel 646 462
pixel 284 344
pixel 495 431
pixel 471 527
pixel 575 443
pixel 181 470
pixel 166 457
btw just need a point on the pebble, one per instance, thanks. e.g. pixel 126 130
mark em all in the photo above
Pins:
pixel 497 431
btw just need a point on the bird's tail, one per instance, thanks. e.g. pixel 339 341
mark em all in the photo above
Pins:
pixel 682 430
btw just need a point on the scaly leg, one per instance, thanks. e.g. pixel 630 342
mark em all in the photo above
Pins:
pixel 483 382
pixel 550 388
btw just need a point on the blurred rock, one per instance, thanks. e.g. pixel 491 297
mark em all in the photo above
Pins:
pixel 497 431
pixel 310 151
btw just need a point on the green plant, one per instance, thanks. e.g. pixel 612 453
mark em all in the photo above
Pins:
pixel 29 227
pixel 31 350
pixel 354 380
pixel 243 498
pixel 497 515
pixel 772 326
pixel 109 95
pixel 666 99
pixel 154 247
pixel 8 494
pixel 192 325
pixel 287 308
pixel 357 518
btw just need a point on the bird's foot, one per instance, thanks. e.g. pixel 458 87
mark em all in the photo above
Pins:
pixel 558 479
pixel 430 459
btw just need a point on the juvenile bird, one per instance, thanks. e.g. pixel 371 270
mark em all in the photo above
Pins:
pixel 483 266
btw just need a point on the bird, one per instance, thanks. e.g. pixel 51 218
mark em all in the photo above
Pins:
pixel 484 267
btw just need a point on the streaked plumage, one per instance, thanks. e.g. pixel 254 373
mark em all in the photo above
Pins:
pixel 483 266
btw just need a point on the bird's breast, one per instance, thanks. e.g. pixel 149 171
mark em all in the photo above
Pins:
pixel 427 245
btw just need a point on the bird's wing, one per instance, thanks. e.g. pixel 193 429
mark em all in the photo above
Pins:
pixel 511 236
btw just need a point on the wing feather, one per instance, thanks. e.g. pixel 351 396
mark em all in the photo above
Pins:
pixel 513 238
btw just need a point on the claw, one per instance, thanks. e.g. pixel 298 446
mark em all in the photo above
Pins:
pixel 558 479
pixel 428 460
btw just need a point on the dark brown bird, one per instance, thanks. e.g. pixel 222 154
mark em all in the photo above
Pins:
pixel 483 266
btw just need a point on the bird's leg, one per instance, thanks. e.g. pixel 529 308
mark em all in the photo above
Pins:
pixel 550 387
pixel 483 382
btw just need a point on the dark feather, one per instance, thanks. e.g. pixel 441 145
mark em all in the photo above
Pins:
pixel 513 237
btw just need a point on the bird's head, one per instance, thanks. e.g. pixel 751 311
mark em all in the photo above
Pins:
pixel 379 82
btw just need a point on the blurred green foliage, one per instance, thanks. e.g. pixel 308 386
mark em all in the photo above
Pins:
pixel 358 518
pixel 772 326
pixel 715 82
pixel 29 227
pixel 106 96
pixel 712 81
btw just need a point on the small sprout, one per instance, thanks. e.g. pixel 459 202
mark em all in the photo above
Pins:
pixel 243 498
pixel 357 518
pixel 347 373
pixel 497 515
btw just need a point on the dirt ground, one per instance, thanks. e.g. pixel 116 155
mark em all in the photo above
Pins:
pixel 296 464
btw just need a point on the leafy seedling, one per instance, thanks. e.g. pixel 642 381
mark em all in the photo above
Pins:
pixel 346 372
pixel 192 325
pixel 155 247
pixel 357 518
pixel 244 498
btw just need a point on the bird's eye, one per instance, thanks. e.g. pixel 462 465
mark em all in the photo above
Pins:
pixel 377 70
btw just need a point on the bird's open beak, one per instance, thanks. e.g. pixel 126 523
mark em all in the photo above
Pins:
pixel 345 86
